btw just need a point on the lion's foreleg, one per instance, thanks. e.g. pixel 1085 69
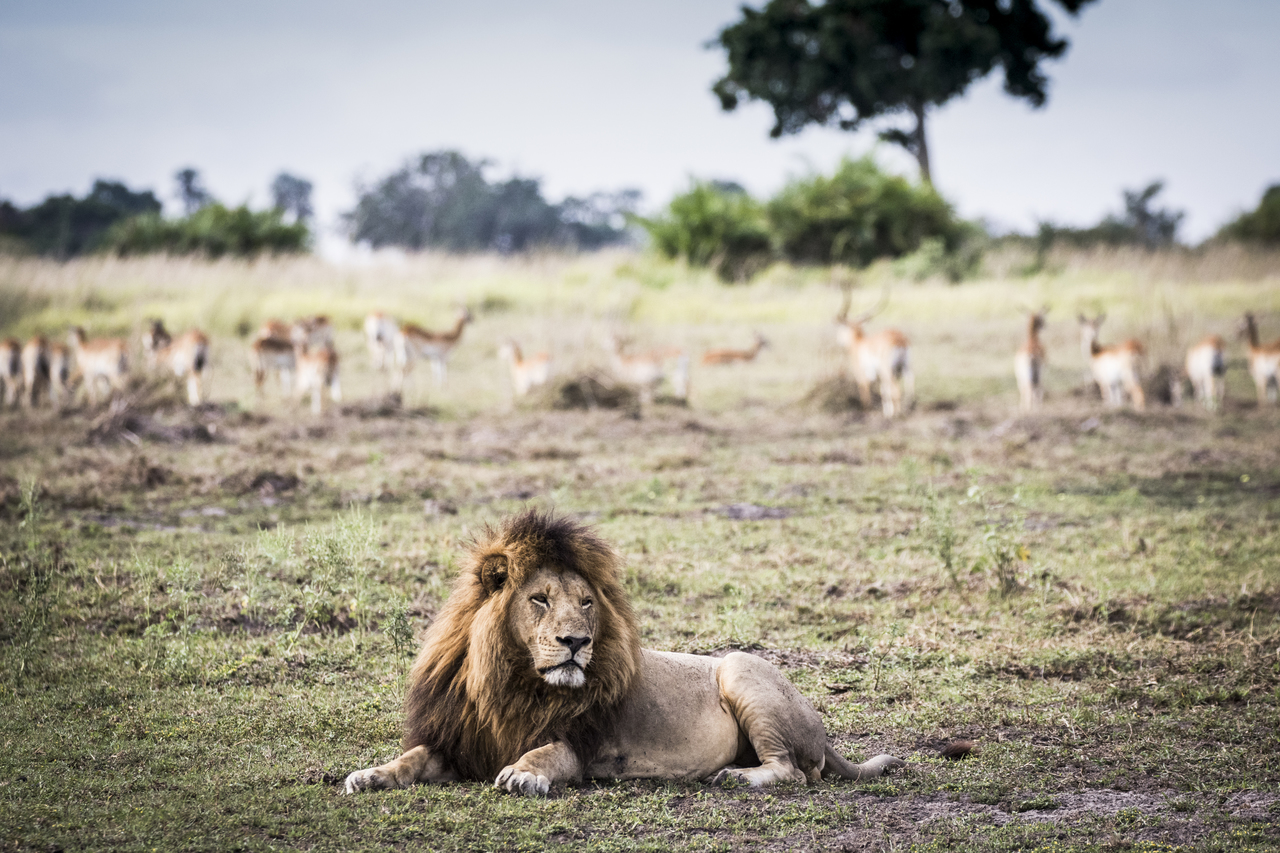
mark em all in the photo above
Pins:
pixel 417 765
pixel 538 769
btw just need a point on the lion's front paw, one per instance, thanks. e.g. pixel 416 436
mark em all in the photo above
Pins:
pixel 369 779
pixel 729 777
pixel 522 782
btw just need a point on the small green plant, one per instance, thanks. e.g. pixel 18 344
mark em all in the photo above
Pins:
pixel 942 534
pixel 398 627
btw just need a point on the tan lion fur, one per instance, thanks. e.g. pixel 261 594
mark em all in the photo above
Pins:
pixel 473 697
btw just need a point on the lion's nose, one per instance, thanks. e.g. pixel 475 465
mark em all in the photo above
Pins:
pixel 573 643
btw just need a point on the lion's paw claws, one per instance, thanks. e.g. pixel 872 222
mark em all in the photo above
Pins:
pixel 522 782
pixel 363 780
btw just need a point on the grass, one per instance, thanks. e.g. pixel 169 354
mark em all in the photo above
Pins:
pixel 202 632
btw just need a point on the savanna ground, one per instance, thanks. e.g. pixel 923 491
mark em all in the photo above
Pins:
pixel 208 616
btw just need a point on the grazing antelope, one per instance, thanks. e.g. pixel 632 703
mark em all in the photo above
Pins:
pixel 647 370
pixel 380 333
pixel 272 355
pixel 732 356
pixel 187 356
pixel 416 342
pixel 883 358
pixel 1264 361
pixel 1028 364
pixel 526 373
pixel 101 361
pixel 11 370
pixel 1116 369
pixel 317 371
pixel 1206 367
pixel 35 370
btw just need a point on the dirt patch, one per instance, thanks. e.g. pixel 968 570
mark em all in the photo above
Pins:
pixel 752 512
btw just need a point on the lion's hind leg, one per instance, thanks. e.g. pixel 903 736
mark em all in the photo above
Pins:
pixel 416 765
pixel 784 730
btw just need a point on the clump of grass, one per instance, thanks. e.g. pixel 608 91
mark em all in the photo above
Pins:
pixel 941 531
pixel 33 571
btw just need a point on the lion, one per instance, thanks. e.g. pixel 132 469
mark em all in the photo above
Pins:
pixel 533 675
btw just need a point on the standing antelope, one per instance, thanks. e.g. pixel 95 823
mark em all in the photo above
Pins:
pixel 35 370
pixel 270 354
pixel 101 360
pixel 1206 367
pixel 1028 364
pixel 883 358
pixel 187 356
pixel 317 371
pixel 1116 369
pixel 11 370
pixel 1264 361
pixel 526 373
pixel 59 373
pixel 310 332
pixel 380 333
pixel 647 370
pixel 416 342
pixel 731 356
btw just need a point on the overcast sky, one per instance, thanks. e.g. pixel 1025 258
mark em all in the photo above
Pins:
pixel 595 94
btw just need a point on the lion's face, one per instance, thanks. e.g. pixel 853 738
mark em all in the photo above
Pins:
pixel 554 614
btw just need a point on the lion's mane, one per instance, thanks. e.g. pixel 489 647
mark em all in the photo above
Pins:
pixel 474 696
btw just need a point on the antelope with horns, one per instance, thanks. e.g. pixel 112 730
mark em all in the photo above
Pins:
pixel 882 358
pixel 11 370
pixel 1206 368
pixel 102 361
pixel 526 373
pixel 1028 363
pixel 1264 361
pixel 318 372
pixel 1116 369
pixel 412 342
pixel 646 370
pixel 733 356
pixel 187 357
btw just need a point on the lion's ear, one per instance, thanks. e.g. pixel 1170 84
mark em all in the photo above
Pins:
pixel 493 572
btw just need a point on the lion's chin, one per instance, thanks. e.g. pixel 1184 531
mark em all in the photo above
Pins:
pixel 569 675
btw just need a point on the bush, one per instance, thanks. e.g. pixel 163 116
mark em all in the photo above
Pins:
pixel 715 224
pixel 1261 225
pixel 63 226
pixel 859 215
pixel 212 231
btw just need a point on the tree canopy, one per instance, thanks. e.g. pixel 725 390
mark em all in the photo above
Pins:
pixel 63 226
pixel 1260 225
pixel 845 62
pixel 291 194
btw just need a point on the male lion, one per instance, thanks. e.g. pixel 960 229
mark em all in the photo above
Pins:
pixel 533 674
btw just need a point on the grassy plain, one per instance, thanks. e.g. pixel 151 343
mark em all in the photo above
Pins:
pixel 207 616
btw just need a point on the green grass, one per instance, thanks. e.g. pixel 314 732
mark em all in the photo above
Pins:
pixel 199 639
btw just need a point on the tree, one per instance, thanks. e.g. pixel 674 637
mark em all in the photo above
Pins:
pixel 1141 224
pixel 63 226
pixel 715 224
pixel 290 194
pixel 191 191
pixel 1261 225
pixel 845 62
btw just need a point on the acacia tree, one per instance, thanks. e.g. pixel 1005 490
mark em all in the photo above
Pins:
pixel 844 62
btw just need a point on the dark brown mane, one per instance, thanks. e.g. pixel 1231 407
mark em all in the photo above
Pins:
pixel 474 696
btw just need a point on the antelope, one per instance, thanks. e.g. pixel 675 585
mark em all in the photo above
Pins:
pixel 187 356
pixel 59 373
pixel 412 342
pixel 272 355
pixel 1264 360
pixel 11 370
pixel 731 356
pixel 1206 367
pixel 101 360
pixel 647 370
pixel 526 373
pixel 380 333
pixel 883 358
pixel 318 370
pixel 1028 363
pixel 35 370
pixel 315 331
pixel 1116 369
pixel 274 329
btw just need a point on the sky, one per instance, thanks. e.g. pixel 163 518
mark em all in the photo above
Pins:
pixel 600 95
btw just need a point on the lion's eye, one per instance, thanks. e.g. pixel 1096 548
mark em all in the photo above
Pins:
pixel 586 602
pixel 539 599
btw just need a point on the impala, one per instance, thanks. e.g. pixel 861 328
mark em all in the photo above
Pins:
pixel 272 355
pixel 1028 363
pixel 318 371
pixel 526 373
pixel 732 356
pixel 187 357
pixel 312 332
pixel 101 361
pixel 11 370
pixel 413 342
pixel 883 358
pixel 380 333
pixel 59 373
pixel 1206 367
pixel 1264 360
pixel 1116 369
pixel 35 371
pixel 647 370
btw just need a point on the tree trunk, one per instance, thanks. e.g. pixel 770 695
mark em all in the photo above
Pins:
pixel 920 146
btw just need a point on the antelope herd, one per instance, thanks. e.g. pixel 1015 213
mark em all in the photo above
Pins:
pixel 302 359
